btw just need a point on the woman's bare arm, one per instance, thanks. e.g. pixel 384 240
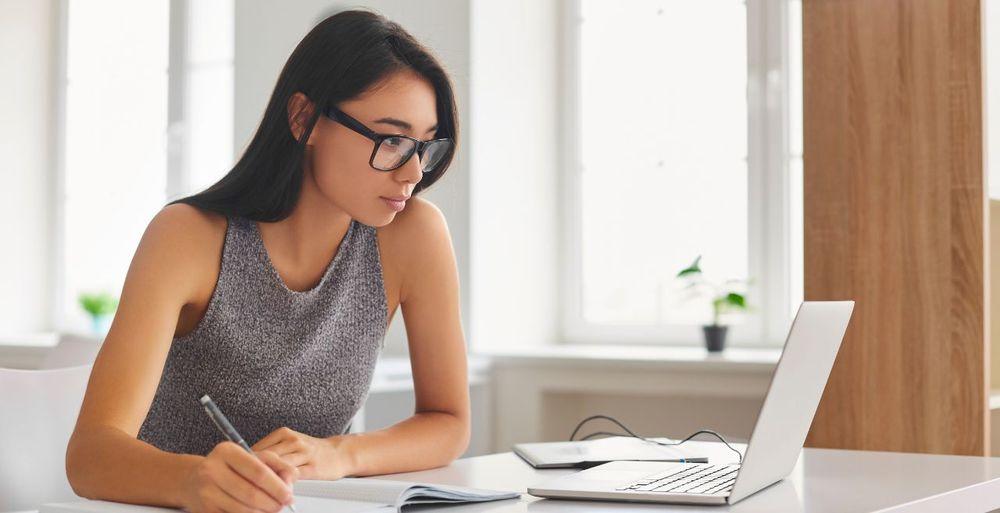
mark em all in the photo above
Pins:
pixel 178 252
pixel 439 430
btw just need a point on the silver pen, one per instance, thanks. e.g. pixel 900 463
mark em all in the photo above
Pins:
pixel 227 429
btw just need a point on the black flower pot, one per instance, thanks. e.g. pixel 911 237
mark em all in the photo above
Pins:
pixel 715 337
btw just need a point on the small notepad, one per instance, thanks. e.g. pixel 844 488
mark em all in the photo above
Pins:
pixel 345 495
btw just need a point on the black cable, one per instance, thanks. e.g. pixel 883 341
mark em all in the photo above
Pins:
pixel 629 431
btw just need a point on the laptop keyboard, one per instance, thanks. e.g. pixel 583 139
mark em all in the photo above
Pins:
pixel 692 478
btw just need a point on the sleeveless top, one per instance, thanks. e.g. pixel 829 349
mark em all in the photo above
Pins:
pixel 269 356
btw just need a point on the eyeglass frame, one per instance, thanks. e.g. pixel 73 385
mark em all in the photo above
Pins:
pixel 348 121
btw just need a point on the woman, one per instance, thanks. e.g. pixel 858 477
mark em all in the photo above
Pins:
pixel 271 292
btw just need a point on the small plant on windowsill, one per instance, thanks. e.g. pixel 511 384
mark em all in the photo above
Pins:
pixel 726 298
pixel 101 307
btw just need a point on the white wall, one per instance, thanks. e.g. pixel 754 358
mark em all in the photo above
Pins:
pixel 27 155
pixel 266 34
pixel 509 208
pixel 515 179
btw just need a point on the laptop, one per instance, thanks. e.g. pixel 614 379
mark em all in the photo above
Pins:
pixel 792 398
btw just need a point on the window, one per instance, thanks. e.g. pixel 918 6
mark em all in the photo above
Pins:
pixel 115 152
pixel 202 120
pixel 686 142
pixel 127 86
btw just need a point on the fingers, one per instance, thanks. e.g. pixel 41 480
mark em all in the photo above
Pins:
pixel 289 446
pixel 251 497
pixel 297 459
pixel 226 502
pixel 265 443
pixel 274 437
pixel 265 489
pixel 280 449
pixel 295 451
pixel 286 468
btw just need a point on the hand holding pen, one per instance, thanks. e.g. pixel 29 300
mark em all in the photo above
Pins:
pixel 232 478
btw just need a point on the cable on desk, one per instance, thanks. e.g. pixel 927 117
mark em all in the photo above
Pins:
pixel 630 433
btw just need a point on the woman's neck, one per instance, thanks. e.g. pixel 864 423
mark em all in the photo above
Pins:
pixel 315 227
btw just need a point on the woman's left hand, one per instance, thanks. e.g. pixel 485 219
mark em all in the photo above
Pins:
pixel 316 458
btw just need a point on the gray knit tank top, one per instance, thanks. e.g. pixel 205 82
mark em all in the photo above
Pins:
pixel 270 356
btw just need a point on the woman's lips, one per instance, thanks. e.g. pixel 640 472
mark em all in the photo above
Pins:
pixel 396 205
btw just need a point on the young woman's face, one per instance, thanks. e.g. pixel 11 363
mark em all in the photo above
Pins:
pixel 337 157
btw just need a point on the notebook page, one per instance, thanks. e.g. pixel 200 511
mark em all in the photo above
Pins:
pixel 378 491
pixel 424 493
pixel 304 504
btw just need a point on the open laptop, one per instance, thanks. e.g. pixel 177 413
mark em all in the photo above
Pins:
pixel 792 398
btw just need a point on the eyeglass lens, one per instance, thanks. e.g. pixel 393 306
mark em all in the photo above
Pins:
pixel 393 151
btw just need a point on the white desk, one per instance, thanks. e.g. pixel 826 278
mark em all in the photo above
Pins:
pixel 823 480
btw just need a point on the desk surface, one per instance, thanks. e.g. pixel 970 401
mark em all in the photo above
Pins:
pixel 823 480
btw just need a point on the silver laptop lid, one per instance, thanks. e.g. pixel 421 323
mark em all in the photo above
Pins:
pixel 793 396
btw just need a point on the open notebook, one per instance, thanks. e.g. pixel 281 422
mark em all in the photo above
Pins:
pixel 345 495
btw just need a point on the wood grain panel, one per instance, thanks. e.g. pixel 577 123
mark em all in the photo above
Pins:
pixel 895 218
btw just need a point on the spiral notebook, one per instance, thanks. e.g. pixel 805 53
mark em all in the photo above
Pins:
pixel 345 495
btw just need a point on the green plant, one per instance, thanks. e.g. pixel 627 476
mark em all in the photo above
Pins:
pixel 725 297
pixel 97 304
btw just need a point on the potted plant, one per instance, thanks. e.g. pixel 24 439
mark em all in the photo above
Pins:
pixel 100 306
pixel 725 297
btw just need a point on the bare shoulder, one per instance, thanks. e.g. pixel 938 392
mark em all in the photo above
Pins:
pixel 416 242
pixel 181 217
pixel 183 242
pixel 183 229
pixel 418 222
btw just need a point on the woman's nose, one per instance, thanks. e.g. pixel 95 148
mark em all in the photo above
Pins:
pixel 411 170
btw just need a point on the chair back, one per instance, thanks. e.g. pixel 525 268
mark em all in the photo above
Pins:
pixel 38 409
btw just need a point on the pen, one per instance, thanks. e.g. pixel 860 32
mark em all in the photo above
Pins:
pixel 227 429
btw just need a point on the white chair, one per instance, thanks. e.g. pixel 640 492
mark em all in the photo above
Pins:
pixel 38 409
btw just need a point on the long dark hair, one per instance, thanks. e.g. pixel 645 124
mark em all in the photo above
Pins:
pixel 340 58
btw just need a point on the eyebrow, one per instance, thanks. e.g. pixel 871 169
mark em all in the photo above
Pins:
pixel 401 124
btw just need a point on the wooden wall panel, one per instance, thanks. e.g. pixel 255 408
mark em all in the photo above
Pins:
pixel 896 218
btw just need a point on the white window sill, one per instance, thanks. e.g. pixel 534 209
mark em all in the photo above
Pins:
pixel 688 358
pixel 26 351
pixel 46 339
pixel 394 373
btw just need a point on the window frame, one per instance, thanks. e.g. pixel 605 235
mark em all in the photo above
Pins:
pixel 768 221
pixel 176 137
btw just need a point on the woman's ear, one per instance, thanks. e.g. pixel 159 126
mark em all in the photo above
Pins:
pixel 300 109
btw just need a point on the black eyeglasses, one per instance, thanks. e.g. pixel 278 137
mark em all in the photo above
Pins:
pixel 393 150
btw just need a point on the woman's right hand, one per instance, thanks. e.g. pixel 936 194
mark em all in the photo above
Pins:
pixel 231 480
